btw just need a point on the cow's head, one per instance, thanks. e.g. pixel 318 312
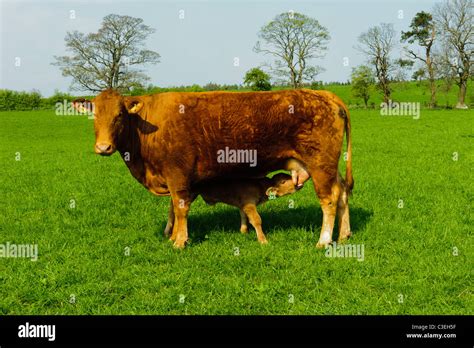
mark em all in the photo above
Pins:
pixel 110 113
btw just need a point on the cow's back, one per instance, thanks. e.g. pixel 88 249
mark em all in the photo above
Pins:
pixel 195 127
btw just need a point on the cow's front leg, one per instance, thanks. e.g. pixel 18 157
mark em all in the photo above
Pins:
pixel 170 223
pixel 181 203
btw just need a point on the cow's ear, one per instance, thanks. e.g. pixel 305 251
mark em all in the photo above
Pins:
pixel 82 105
pixel 133 105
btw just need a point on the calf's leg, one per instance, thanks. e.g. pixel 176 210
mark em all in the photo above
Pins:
pixel 251 211
pixel 243 222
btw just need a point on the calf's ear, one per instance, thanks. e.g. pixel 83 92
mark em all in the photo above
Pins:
pixel 133 105
pixel 271 190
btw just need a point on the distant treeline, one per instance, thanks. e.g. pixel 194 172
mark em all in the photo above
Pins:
pixel 211 86
pixel 411 91
pixel 20 100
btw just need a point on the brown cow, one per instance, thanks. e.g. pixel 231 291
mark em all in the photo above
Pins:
pixel 171 141
pixel 243 193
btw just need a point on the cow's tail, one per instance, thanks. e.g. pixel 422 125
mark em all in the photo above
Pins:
pixel 347 126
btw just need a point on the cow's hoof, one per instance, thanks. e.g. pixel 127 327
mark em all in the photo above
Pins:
pixel 320 245
pixel 263 241
pixel 342 238
pixel 244 230
pixel 167 232
pixel 179 244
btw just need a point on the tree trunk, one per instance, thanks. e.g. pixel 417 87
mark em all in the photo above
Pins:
pixel 293 77
pixel 384 85
pixel 429 65
pixel 433 93
pixel 386 92
pixel 294 82
pixel 386 97
pixel 462 94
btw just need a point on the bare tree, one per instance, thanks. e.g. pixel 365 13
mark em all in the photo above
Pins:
pixel 377 44
pixel 423 32
pixel 106 59
pixel 454 20
pixel 294 40
pixel 444 70
pixel 402 68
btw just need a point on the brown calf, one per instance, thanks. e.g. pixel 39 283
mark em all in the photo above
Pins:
pixel 244 194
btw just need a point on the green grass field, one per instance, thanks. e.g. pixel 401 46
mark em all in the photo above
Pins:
pixel 107 255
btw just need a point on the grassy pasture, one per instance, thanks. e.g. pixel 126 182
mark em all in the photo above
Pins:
pixel 418 259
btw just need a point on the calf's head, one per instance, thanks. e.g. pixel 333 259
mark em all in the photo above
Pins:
pixel 282 184
pixel 110 115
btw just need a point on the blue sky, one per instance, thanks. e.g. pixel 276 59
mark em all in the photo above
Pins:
pixel 197 49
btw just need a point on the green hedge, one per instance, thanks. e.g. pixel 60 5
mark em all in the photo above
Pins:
pixel 57 97
pixel 13 100
pixel 20 100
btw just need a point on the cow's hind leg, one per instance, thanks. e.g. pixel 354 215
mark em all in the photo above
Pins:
pixel 328 190
pixel 170 223
pixel 343 213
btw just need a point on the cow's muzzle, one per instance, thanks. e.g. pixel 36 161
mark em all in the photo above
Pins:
pixel 104 149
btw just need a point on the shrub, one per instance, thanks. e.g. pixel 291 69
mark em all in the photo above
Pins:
pixel 57 97
pixel 257 80
pixel 316 85
pixel 14 100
